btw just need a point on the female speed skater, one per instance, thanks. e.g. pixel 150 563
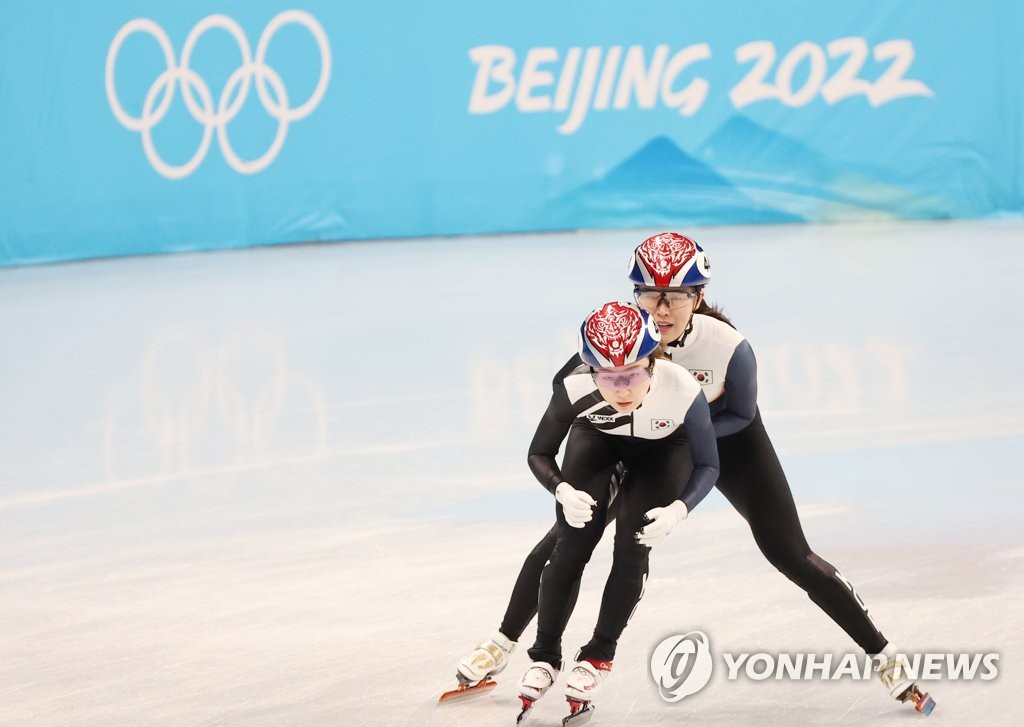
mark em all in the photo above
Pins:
pixel 669 273
pixel 668 446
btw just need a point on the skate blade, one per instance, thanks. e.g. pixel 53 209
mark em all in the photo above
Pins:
pixel 923 702
pixel 527 709
pixel 464 691
pixel 578 716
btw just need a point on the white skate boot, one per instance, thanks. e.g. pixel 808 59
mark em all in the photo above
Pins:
pixel 895 675
pixel 535 682
pixel 475 669
pixel 490 657
pixel 582 685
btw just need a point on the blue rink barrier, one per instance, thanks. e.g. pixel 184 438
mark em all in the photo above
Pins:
pixel 133 127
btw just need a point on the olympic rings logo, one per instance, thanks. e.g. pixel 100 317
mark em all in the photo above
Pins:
pixel 230 103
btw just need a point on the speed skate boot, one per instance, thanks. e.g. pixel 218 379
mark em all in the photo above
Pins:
pixel 475 669
pixel 490 657
pixel 895 675
pixel 582 685
pixel 535 682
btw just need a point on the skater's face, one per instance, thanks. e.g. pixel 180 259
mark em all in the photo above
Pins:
pixel 671 308
pixel 624 387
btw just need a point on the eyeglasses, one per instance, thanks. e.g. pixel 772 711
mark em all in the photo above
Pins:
pixel 651 299
pixel 622 379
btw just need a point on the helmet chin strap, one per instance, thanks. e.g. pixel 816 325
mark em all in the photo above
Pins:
pixel 681 341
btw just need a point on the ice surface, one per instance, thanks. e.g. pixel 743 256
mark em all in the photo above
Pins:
pixel 288 486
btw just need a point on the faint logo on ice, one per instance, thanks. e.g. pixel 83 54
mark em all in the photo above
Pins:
pixel 681 665
pixel 198 408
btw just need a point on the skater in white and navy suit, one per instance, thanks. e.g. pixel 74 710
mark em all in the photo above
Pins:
pixel 669 272
pixel 616 401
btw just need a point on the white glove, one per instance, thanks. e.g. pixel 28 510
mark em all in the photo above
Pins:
pixel 577 505
pixel 661 521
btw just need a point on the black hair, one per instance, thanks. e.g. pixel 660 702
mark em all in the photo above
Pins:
pixel 713 311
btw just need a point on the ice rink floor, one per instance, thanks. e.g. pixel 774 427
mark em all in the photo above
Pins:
pixel 288 486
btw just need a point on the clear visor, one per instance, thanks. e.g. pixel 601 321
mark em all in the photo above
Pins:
pixel 651 299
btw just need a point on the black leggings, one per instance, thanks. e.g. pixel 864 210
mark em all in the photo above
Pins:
pixel 754 483
pixel 658 471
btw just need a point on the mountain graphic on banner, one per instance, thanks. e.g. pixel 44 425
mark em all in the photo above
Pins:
pixel 662 184
pixel 780 171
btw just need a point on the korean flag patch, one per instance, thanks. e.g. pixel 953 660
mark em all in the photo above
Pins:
pixel 703 377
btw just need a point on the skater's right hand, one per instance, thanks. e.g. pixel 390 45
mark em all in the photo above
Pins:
pixel 577 505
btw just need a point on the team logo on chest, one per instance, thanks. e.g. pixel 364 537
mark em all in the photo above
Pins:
pixel 703 376
pixel 613 331
pixel 601 418
pixel 665 255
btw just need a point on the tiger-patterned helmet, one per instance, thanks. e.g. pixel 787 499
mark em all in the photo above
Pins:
pixel 617 334
pixel 669 260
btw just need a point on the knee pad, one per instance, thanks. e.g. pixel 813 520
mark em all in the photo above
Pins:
pixel 631 555
pixel 571 556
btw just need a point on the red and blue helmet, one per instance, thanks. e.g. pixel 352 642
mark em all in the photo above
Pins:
pixel 669 260
pixel 617 334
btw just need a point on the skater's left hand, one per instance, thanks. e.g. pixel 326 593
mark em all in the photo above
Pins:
pixel 661 520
